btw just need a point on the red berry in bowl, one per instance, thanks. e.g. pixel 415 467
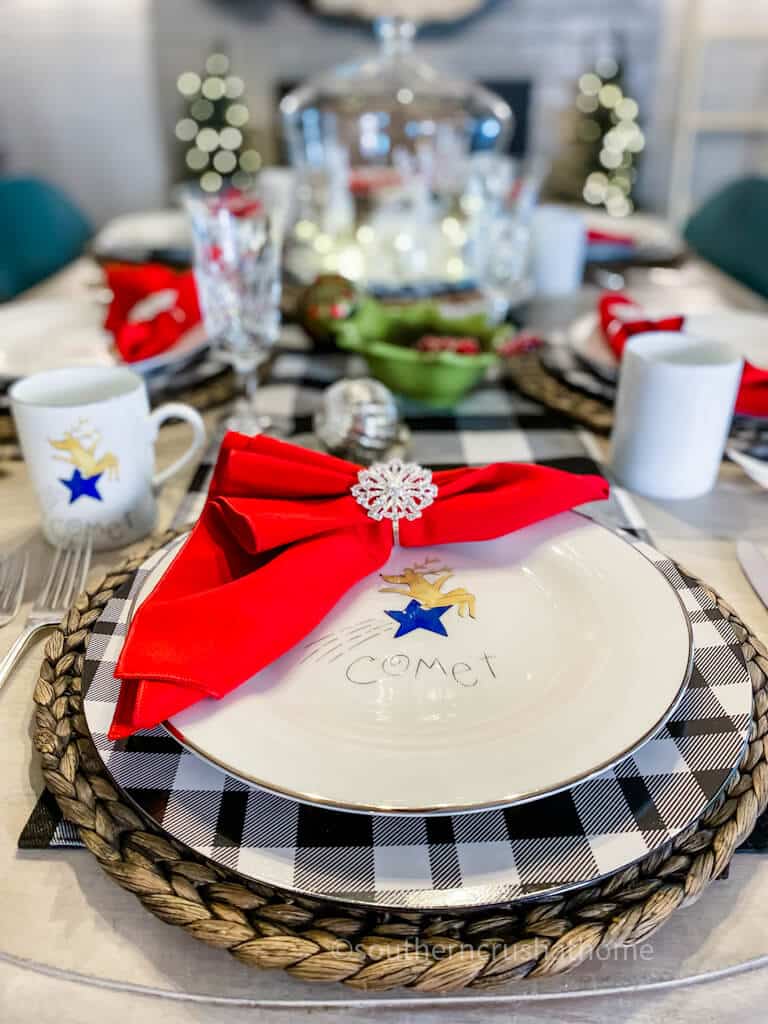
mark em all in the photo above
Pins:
pixel 448 343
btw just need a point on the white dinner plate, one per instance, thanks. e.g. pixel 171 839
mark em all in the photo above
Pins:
pixel 746 332
pixel 577 653
pixel 650 234
pixel 138 234
pixel 47 334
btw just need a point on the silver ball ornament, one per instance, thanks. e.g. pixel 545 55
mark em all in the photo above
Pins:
pixel 358 419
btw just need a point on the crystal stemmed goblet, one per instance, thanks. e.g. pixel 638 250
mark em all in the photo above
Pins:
pixel 237 270
pixel 499 255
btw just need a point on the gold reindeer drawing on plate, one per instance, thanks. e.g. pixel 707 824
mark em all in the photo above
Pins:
pixel 428 592
pixel 80 444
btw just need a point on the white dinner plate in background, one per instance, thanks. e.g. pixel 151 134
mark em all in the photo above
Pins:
pixel 135 236
pixel 746 332
pixel 45 334
pixel 649 233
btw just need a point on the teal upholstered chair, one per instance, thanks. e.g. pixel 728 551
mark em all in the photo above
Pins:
pixel 731 231
pixel 41 230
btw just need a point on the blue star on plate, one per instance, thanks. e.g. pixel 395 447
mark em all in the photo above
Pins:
pixel 416 617
pixel 80 486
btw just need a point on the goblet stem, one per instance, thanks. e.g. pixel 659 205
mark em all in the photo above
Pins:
pixel 245 418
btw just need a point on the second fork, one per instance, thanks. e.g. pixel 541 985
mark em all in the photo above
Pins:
pixel 66 578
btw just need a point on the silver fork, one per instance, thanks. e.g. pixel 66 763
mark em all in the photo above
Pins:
pixel 66 578
pixel 13 575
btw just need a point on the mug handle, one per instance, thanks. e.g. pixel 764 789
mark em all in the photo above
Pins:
pixel 179 411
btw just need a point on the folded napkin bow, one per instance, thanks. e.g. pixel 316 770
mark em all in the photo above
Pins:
pixel 152 307
pixel 620 318
pixel 279 541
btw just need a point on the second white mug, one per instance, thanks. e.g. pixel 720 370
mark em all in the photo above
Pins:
pixel 88 438
pixel 673 411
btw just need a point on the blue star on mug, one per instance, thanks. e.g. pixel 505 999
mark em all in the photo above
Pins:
pixel 80 486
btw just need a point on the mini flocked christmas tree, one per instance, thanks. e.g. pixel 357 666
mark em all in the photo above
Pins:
pixel 213 129
pixel 602 142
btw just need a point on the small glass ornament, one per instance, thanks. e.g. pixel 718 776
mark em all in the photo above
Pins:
pixel 358 420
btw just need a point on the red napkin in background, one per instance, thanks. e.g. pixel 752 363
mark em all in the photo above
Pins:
pixel 238 203
pixel 610 238
pixel 620 318
pixel 365 181
pixel 279 541
pixel 752 399
pixel 152 307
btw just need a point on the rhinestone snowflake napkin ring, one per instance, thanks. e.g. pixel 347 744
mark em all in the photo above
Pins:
pixel 394 490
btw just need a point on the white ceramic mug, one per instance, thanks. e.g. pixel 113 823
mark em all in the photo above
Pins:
pixel 558 250
pixel 87 436
pixel 673 412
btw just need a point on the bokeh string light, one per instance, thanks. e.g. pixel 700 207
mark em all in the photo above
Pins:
pixel 610 120
pixel 214 127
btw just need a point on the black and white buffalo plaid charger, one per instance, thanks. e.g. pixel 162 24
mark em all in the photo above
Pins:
pixel 562 841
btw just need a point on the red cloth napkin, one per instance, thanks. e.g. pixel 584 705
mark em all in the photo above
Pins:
pixel 238 203
pixel 620 318
pixel 752 399
pixel 610 238
pixel 279 541
pixel 152 307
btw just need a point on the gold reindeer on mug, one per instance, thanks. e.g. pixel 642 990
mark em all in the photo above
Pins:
pixel 80 444
pixel 428 592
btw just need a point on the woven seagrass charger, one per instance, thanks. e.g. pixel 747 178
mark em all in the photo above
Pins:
pixel 376 950
pixel 532 380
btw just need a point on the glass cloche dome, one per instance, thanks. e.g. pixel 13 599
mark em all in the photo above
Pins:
pixel 391 101
pixel 384 147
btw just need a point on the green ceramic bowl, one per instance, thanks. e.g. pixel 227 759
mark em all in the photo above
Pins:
pixel 384 336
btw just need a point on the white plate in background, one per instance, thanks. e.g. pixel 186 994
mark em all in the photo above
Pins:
pixel 46 334
pixel 746 332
